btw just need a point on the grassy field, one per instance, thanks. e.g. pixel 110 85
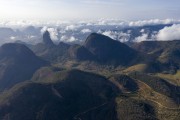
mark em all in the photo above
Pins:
pixel 173 78
pixel 139 68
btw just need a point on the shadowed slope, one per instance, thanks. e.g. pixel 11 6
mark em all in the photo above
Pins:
pixel 17 64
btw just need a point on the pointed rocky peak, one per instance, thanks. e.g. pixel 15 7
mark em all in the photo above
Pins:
pixel 47 39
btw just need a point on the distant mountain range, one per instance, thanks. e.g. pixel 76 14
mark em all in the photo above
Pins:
pixel 101 79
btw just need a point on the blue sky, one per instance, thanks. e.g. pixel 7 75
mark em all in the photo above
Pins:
pixel 89 9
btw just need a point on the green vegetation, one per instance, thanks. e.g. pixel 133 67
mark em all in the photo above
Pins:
pixel 131 109
pixel 159 85
pixel 70 93
pixel 100 80
pixel 174 78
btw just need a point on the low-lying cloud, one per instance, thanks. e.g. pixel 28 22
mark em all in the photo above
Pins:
pixel 71 25
pixel 77 32
pixel 169 33
pixel 120 36
pixel 68 39
pixel 144 37
pixel 153 22
pixel 86 31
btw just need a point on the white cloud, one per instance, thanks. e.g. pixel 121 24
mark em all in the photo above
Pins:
pixel 53 33
pixel 65 38
pixel 118 22
pixel 12 38
pixel 110 22
pixel 72 39
pixel 142 30
pixel 124 37
pixel 62 31
pixel 31 37
pixel 72 31
pixel 144 37
pixel 44 29
pixel 169 33
pixel 86 31
pixel 120 36
pixel 110 34
pixel 71 28
pixel 74 25
pixel 153 22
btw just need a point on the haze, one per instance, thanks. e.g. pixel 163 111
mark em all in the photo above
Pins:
pixel 89 9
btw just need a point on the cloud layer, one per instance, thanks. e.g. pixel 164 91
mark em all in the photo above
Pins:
pixel 144 37
pixel 66 31
pixel 169 33
pixel 71 25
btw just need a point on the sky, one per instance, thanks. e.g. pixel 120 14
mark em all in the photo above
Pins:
pixel 89 9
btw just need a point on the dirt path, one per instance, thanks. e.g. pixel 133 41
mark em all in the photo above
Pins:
pixel 56 92
pixel 76 117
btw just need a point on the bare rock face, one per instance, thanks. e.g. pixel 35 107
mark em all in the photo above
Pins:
pixel 47 40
